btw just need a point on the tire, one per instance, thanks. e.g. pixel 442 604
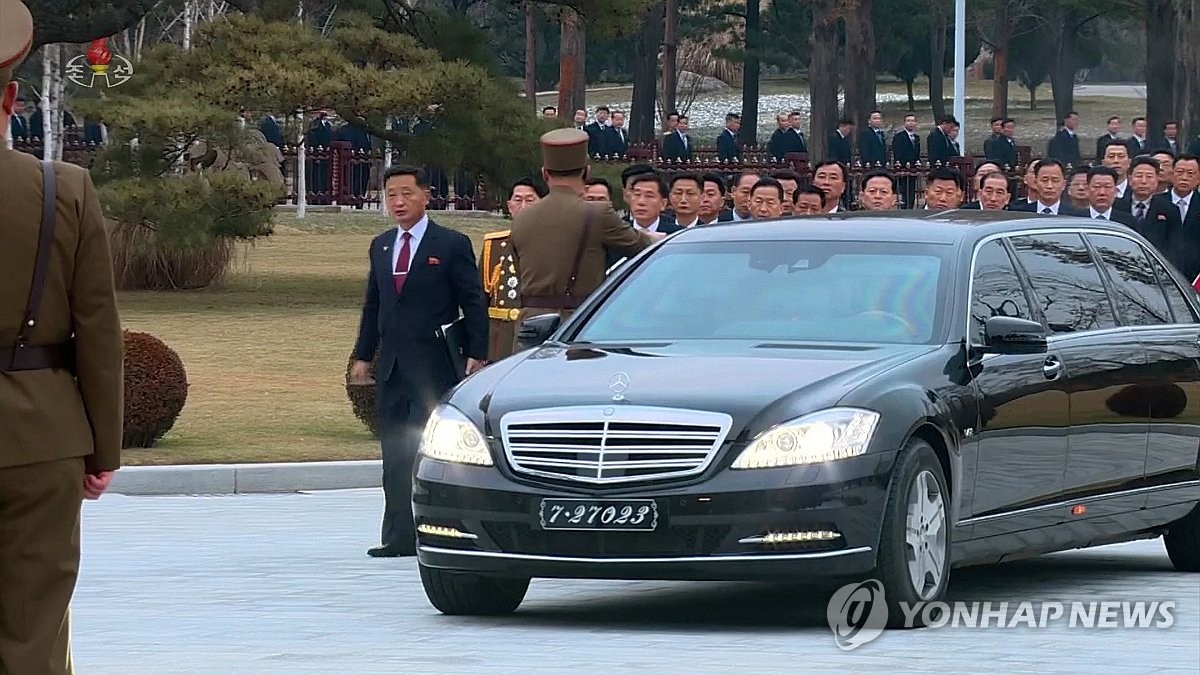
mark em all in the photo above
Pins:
pixel 917 465
pixel 466 594
pixel 1182 541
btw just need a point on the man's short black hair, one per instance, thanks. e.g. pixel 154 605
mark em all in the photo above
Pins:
pixel 845 122
pixel 600 181
pixel 947 173
pixel 687 175
pixel 718 180
pixel 418 174
pixel 1009 120
pixel 947 119
pixel 633 170
pixel 832 162
pixel 1187 157
pixel 877 173
pixel 809 190
pixel 1111 142
pixel 1047 162
pixel 733 116
pixel 768 182
pixel 1114 118
pixel 997 119
pixel 537 186
pixel 550 108
pixel 639 178
pixel 1138 119
pixel 1081 170
pixel 602 107
pixel 1163 151
pixel 1103 171
pixel 737 180
pixel 785 174
pixel 1144 160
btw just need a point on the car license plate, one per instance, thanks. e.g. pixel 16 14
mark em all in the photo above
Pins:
pixel 638 515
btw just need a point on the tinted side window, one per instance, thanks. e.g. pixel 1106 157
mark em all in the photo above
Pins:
pixel 1066 283
pixel 1137 295
pixel 995 289
pixel 1180 308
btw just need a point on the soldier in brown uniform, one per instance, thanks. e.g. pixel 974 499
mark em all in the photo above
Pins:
pixel 60 380
pixel 559 243
pixel 500 281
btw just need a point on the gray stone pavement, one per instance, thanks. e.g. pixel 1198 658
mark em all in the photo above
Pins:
pixel 261 584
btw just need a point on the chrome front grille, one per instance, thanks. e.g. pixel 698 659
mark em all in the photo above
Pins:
pixel 612 444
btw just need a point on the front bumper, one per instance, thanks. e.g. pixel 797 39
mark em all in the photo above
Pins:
pixel 709 529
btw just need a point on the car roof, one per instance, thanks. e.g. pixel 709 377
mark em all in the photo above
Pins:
pixel 915 226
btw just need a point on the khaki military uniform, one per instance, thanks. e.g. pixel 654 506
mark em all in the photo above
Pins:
pixel 61 385
pixel 548 236
pixel 561 243
pixel 502 285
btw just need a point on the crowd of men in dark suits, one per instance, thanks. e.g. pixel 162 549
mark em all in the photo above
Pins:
pixel 1151 192
pixel 30 128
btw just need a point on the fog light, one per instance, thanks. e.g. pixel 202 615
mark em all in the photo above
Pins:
pixel 791 537
pixel 448 532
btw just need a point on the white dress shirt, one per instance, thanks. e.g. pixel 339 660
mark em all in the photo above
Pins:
pixel 692 224
pixel 1041 208
pixel 417 231
pixel 1121 188
pixel 1107 214
pixel 652 227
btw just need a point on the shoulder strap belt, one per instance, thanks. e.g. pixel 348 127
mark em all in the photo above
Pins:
pixel 588 215
pixel 45 243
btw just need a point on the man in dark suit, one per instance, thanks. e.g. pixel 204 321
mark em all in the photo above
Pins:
pixel 906 151
pixel 872 146
pixel 1113 134
pixel 269 127
pixel 729 148
pixel 18 127
pixel 1143 185
pixel 841 147
pixel 1001 147
pixel 319 172
pixel 777 145
pixel 597 131
pixel 796 141
pixel 1102 191
pixel 1051 178
pixel 615 142
pixel 1065 145
pixel 676 145
pixel 421 276
pixel 938 144
pixel 360 171
pixel 1139 143
pixel 712 202
pixel 1177 214
pixel 1170 138
pixel 989 144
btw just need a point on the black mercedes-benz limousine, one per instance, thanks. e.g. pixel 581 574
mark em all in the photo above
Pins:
pixel 848 395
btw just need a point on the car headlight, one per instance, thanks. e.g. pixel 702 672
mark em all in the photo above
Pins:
pixel 451 437
pixel 823 436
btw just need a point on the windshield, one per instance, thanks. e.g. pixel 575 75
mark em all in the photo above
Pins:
pixel 826 291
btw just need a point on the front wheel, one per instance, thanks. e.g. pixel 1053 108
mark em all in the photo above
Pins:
pixel 467 594
pixel 914 546
pixel 1183 542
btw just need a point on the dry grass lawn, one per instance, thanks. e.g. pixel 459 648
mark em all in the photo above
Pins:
pixel 267 351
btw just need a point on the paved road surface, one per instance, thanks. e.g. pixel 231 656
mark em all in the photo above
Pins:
pixel 262 584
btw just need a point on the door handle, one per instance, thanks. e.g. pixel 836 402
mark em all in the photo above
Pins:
pixel 1051 367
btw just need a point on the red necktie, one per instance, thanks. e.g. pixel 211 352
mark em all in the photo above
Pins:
pixel 401 272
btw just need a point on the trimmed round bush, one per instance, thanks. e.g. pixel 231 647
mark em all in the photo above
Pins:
pixel 156 388
pixel 362 398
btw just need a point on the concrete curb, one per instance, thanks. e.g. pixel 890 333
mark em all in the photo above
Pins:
pixel 205 479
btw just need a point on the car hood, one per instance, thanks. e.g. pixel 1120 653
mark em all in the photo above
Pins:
pixel 740 380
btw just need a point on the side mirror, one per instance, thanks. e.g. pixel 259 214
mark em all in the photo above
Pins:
pixel 1010 335
pixel 537 329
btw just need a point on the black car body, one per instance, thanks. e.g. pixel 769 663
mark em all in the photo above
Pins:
pixel 1005 385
